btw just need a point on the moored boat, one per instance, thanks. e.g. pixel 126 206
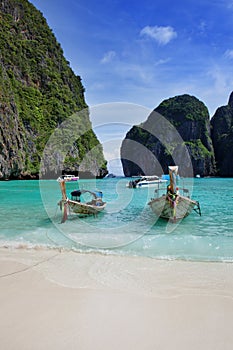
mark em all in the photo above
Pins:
pixel 172 205
pixel 146 181
pixel 76 206
pixel 67 178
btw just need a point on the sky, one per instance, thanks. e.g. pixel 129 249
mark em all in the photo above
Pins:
pixel 137 53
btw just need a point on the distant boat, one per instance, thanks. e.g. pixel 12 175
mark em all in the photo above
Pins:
pixel 146 181
pixel 68 178
pixel 74 205
pixel 172 205
pixel 110 176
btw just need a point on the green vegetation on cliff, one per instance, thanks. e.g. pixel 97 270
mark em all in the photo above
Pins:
pixel 38 91
pixel 176 132
pixel 184 105
pixel 222 136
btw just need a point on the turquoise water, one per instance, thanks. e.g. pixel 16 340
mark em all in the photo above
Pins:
pixel 30 217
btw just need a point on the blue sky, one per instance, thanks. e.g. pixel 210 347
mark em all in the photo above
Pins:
pixel 142 52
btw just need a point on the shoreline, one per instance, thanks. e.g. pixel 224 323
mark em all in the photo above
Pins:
pixel 24 246
pixel 61 300
pixel 46 260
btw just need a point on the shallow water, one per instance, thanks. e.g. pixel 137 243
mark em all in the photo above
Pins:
pixel 30 217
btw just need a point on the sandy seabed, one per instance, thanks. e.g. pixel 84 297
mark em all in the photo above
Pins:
pixel 66 300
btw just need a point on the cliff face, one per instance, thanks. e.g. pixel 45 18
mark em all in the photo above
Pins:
pixel 176 132
pixel 38 92
pixel 222 136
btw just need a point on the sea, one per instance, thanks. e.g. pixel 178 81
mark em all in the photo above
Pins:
pixel 31 219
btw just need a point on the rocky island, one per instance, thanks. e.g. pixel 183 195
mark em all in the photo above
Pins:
pixel 38 92
pixel 222 137
pixel 177 131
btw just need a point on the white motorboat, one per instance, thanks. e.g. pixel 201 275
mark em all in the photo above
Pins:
pixel 68 178
pixel 146 181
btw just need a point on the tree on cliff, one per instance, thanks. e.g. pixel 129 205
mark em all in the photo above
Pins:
pixel 222 136
pixel 176 132
pixel 38 91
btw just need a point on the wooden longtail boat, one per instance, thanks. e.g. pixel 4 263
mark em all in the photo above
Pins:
pixel 75 206
pixel 172 205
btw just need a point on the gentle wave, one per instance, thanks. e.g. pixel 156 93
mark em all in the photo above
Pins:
pixel 31 220
pixel 104 252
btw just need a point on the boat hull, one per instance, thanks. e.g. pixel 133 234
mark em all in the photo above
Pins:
pixel 143 184
pixel 84 208
pixel 68 178
pixel 166 209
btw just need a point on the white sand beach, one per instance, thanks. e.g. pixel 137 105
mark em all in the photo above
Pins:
pixel 66 300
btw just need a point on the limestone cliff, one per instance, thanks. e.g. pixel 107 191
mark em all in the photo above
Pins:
pixel 176 132
pixel 222 136
pixel 38 92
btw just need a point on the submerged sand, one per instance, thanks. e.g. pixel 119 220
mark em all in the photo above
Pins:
pixel 66 300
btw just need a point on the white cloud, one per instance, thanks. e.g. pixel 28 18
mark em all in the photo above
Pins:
pixel 162 61
pixel 229 4
pixel 229 54
pixel 220 88
pixel 163 35
pixel 123 116
pixel 202 27
pixel 111 122
pixel 135 72
pixel 108 57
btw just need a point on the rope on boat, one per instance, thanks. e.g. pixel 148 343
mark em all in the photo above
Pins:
pixel 198 208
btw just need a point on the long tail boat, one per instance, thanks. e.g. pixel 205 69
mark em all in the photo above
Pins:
pixel 74 205
pixel 173 206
